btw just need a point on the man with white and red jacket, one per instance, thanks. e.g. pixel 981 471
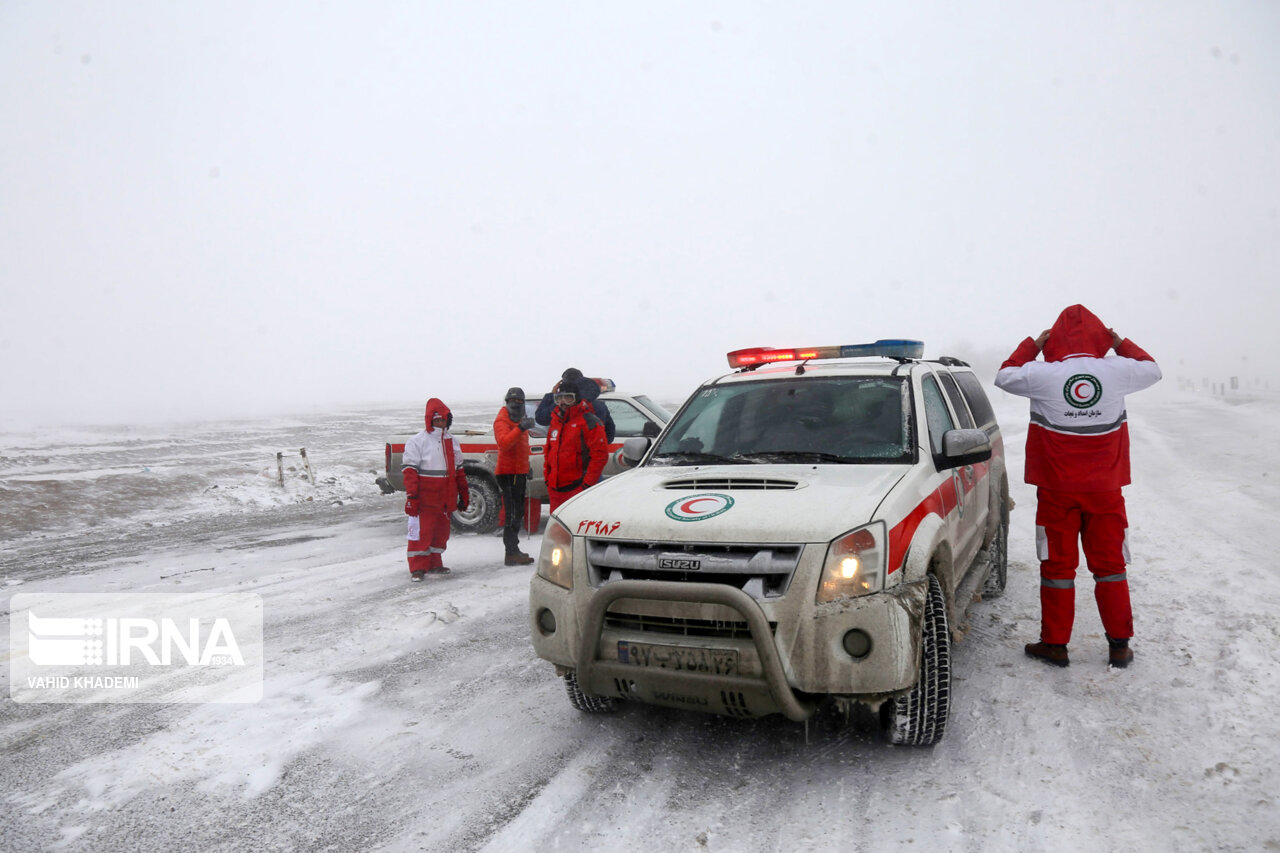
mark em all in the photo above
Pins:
pixel 1078 457
pixel 435 485
pixel 576 449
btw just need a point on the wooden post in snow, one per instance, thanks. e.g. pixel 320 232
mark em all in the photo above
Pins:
pixel 306 463
pixel 280 468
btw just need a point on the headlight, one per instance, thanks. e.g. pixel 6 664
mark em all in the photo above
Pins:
pixel 555 562
pixel 854 564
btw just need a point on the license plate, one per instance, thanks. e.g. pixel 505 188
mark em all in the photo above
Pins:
pixel 681 658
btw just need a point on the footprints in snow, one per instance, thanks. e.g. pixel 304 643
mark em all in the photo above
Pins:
pixel 448 614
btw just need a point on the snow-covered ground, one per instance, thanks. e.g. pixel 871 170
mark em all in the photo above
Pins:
pixel 416 717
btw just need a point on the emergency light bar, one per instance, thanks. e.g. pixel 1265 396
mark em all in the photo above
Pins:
pixel 605 384
pixel 889 348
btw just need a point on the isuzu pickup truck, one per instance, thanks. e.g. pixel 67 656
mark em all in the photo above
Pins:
pixel 809 529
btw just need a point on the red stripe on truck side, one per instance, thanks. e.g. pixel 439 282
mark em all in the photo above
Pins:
pixel 902 533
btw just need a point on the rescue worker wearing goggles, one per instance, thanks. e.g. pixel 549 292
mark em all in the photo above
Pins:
pixel 576 449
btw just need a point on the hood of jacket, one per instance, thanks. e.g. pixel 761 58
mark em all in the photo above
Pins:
pixel 436 407
pixel 588 389
pixel 1076 332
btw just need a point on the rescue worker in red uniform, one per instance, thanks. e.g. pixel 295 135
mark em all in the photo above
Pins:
pixel 576 449
pixel 511 429
pixel 1078 458
pixel 435 485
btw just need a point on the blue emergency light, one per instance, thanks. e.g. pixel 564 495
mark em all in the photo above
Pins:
pixel 886 348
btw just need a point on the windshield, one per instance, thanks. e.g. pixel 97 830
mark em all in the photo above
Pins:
pixel 662 413
pixel 825 420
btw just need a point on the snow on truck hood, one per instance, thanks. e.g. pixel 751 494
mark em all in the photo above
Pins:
pixel 731 503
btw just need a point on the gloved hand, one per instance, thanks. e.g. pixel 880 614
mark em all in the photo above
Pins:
pixel 411 506
pixel 463 503
pixel 526 424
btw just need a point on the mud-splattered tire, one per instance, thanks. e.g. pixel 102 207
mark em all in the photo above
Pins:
pixel 586 702
pixel 919 717
pixel 998 561
pixel 481 514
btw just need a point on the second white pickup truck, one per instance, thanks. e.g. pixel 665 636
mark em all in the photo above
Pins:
pixel 633 415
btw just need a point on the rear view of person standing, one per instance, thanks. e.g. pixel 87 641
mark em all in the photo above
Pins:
pixel 511 429
pixel 1078 458
pixel 435 485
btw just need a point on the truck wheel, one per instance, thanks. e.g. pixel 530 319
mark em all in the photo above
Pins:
pixel 586 702
pixel 481 514
pixel 919 717
pixel 998 561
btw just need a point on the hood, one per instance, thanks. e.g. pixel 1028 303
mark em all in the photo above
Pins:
pixel 436 407
pixel 1077 332
pixel 588 389
pixel 728 503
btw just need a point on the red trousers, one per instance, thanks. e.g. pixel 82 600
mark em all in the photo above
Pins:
pixel 1098 521
pixel 428 537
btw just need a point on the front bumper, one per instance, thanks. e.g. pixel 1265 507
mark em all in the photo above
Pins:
pixel 790 651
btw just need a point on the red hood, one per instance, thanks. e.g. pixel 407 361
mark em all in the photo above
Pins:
pixel 1077 332
pixel 436 407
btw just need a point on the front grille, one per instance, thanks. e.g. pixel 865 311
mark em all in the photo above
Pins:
pixel 732 484
pixel 761 571
pixel 674 627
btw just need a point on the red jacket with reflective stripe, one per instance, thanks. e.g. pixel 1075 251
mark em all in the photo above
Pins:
pixel 1078 440
pixel 433 465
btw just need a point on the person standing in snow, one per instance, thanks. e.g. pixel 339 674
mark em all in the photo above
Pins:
pixel 435 485
pixel 586 389
pixel 511 429
pixel 1078 458
pixel 576 449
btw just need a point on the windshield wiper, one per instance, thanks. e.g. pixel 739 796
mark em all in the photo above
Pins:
pixel 794 456
pixel 690 458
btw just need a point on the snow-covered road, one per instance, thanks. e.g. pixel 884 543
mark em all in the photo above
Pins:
pixel 416 717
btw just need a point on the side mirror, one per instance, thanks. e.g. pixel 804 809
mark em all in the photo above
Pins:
pixel 964 447
pixel 650 430
pixel 633 450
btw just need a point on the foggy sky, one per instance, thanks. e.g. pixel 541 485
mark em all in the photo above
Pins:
pixel 237 207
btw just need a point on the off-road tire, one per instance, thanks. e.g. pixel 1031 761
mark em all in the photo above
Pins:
pixel 481 514
pixel 586 702
pixel 919 717
pixel 998 560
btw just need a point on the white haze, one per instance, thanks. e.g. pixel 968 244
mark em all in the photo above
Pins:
pixel 212 209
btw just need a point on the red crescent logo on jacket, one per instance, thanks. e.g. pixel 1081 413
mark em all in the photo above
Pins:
pixel 1082 390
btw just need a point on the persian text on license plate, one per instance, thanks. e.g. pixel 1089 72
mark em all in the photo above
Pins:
pixel 682 658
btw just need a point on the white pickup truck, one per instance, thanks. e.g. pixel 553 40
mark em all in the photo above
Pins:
pixel 634 415
pixel 810 529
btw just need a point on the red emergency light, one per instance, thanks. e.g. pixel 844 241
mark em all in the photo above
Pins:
pixel 767 355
